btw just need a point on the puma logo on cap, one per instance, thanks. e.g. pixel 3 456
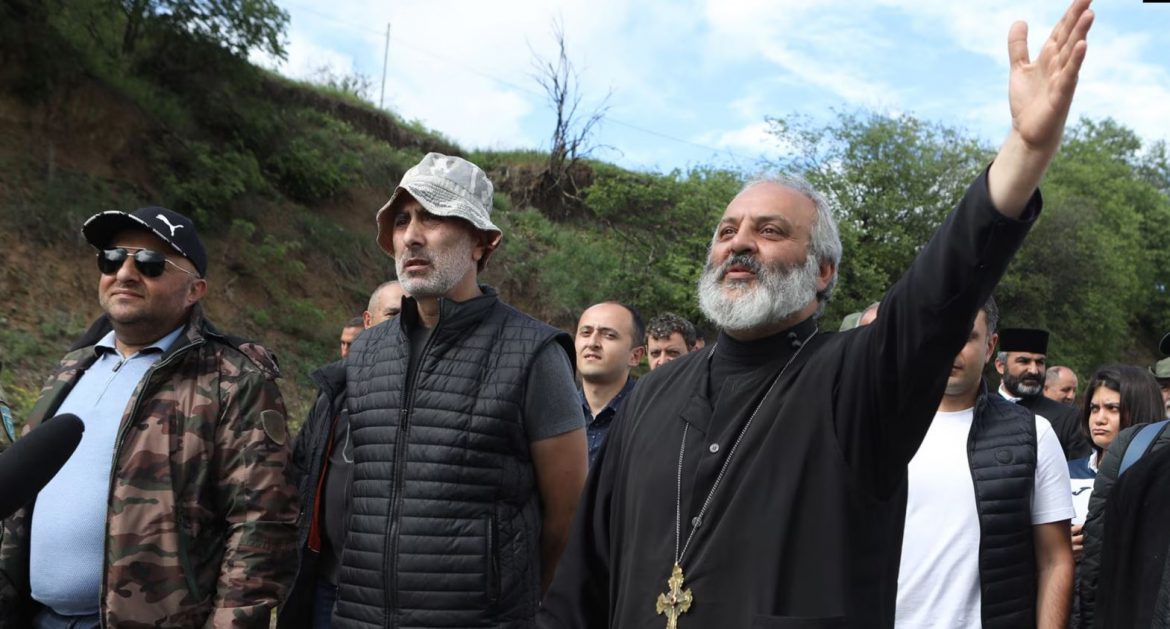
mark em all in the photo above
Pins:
pixel 173 227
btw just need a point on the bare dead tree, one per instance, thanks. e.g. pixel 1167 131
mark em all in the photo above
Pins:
pixel 570 140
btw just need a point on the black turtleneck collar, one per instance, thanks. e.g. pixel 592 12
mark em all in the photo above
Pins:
pixel 758 352
pixel 732 358
pixel 452 314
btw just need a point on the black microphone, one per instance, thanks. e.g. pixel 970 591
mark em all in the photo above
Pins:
pixel 30 463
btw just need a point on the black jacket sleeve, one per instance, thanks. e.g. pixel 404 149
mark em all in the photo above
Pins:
pixel 894 371
pixel 1094 531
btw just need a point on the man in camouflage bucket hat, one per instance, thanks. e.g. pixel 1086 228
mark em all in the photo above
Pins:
pixel 176 509
pixel 468 439
pixel 450 187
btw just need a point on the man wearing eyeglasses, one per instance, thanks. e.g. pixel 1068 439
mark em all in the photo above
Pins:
pixel 177 508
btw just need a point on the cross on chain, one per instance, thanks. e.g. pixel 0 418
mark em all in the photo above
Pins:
pixel 675 601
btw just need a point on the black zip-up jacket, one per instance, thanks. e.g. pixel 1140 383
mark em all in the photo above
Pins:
pixel 1089 570
pixel 311 452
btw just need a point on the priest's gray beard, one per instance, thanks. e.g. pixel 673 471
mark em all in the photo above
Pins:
pixel 778 293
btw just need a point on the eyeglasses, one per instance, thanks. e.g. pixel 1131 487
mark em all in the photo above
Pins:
pixel 149 263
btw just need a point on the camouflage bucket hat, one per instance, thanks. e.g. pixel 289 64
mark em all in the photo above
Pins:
pixel 445 186
pixel 1161 369
pixel 850 321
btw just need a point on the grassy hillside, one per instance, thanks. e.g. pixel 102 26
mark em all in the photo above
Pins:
pixel 283 179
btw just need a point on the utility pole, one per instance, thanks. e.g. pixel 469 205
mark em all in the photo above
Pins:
pixel 385 58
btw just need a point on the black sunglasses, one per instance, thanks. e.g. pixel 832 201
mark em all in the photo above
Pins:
pixel 149 263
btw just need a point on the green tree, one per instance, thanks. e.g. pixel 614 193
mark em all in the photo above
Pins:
pixel 240 26
pixel 1094 270
pixel 660 227
pixel 891 179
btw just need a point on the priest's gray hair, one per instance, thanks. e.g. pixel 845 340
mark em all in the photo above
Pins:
pixel 825 244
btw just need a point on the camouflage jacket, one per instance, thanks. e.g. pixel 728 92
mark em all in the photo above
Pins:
pixel 6 425
pixel 201 526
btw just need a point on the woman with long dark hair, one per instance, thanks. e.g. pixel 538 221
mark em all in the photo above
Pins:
pixel 1115 398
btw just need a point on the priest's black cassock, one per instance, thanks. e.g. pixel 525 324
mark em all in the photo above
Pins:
pixel 1066 423
pixel 805 528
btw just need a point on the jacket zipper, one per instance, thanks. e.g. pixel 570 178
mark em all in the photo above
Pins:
pixel 113 471
pixel 392 525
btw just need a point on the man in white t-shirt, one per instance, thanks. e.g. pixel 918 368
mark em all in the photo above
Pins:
pixel 983 546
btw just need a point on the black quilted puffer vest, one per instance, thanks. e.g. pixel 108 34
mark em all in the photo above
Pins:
pixel 1001 450
pixel 445 523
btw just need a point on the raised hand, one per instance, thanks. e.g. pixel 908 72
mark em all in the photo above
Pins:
pixel 1041 92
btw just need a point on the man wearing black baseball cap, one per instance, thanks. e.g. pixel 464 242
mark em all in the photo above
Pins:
pixel 1021 361
pixel 177 508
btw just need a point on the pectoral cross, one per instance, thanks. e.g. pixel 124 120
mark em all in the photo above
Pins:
pixel 675 601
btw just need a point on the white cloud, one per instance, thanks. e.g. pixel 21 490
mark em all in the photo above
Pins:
pixel 832 45
pixel 305 57
pixel 465 67
pixel 844 81
pixel 711 69
pixel 751 142
pixel 829 44
pixel 1119 81
pixel 980 27
pixel 753 138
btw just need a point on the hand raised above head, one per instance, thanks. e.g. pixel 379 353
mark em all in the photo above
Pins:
pixel 1041 92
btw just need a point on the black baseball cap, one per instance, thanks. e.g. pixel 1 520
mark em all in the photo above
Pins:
pixel 173 228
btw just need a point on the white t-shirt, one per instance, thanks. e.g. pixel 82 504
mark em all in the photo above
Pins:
pixel 938 581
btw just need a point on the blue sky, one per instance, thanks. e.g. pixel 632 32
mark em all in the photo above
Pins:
pixel 693 80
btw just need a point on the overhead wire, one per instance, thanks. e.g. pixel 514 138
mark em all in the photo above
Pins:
pixel 353 27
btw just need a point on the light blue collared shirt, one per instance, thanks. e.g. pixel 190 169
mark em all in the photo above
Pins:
pixel 69 522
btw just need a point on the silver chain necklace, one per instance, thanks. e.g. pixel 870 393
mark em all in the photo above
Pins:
pixel 676 601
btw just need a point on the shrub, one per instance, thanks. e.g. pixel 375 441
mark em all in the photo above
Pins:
pixel 318 160
pixel 204 180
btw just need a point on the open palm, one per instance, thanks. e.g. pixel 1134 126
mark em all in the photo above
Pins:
pixel 1041 92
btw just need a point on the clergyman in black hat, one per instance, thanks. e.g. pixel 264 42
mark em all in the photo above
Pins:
pixel 1021 361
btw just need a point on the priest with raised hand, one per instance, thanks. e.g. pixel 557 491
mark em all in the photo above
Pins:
pixel 761 482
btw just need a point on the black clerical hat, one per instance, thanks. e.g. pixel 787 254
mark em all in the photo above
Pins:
pixel 1165 344
pixel 1023 340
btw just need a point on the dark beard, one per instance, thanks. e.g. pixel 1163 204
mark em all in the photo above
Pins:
pixel 1013 384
